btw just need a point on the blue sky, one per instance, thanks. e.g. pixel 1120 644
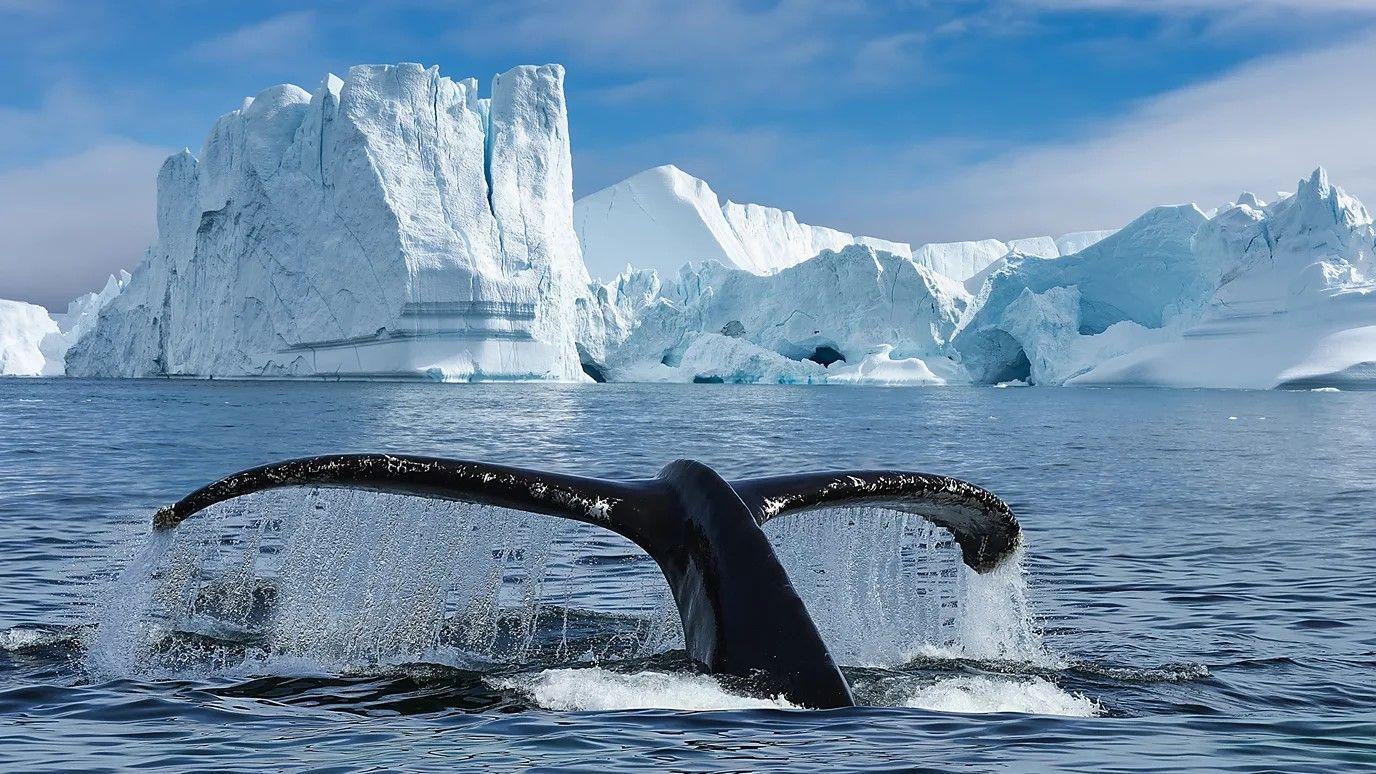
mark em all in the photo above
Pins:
pixel 919 120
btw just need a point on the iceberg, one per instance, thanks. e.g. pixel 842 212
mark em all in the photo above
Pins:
pixel 663 218
pixel 1144 274
pixel 851 313
pixel 1295 305
pixel 35 343
pixel 1254 296
pixel 23 328
pixel 390 224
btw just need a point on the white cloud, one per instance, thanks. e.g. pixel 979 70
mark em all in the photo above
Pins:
pixel 1207 6
pixel 708 50
pixel 67 115
pixel 266 42
pixel 1260 127
pixel 67 223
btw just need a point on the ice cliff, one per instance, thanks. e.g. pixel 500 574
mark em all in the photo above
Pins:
pixel 392 223
pixel 856 315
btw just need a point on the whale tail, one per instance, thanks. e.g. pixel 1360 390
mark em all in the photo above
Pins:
pixel 741 615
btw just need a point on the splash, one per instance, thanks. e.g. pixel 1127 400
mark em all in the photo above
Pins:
pixel 327 581
pixel 984 695
pixel 597 689
pixel 302 582
pixel 885 587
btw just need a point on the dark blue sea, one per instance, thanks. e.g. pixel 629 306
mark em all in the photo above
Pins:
pixel 1197 589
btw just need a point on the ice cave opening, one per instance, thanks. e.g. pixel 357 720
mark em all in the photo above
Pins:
pixel 825 356
pixel 595 370
pixel 993 357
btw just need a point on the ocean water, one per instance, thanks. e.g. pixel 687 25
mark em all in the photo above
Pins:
pixel 1197 589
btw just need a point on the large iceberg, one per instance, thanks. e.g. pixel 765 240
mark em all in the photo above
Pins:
pixel 1254 296
pixel 1295 304
pixel 390 224
pixel 663 218
pixel 856 315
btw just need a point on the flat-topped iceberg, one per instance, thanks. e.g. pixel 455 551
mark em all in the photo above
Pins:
pixel 389 224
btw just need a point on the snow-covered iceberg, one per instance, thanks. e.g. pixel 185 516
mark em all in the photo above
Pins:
pixel 859 314
pixel 1256 296
pixel 35 343
pixel 23 327
pixel 389 224
pixel 1295 304
pixel 663 218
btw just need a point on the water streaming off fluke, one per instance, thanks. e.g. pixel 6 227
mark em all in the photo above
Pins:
pixel 307 581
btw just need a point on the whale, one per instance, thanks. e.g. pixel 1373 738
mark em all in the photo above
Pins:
pixel 741 614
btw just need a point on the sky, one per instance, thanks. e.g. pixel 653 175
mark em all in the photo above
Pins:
pixel 913 120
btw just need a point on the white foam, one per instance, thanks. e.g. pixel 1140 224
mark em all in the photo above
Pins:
pixel 1325 389
pixel 597 689
pixel 984 695
pixel 21 638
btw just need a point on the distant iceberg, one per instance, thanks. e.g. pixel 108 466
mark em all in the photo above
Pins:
pixel 1295 304
pixel 35 343
pixel 663 218
pixel 23 327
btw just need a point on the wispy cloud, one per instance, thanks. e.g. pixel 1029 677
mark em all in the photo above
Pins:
pixel 1223 17
pixel 286 35
pixel 67 116
pixel 707 50
pixel 1259 127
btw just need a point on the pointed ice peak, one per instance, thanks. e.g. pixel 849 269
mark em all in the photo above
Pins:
pixel 1249 199
pixel 331 84
pixel 1318 180
pixel 1317 202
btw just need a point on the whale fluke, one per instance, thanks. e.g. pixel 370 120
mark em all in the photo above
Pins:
pixel 982 523
pixel 741 615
